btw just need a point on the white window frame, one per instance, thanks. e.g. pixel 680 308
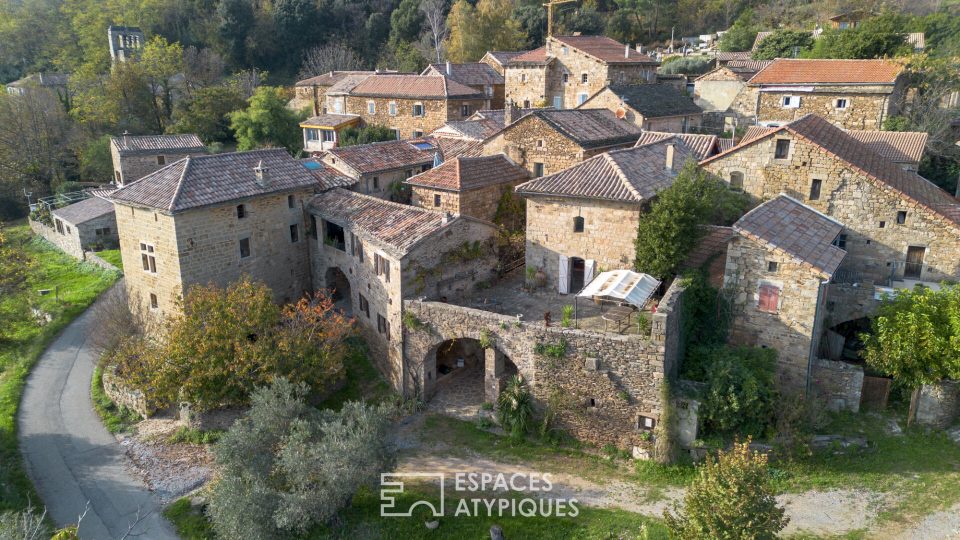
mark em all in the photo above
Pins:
pixel 392 108
pixel 371 107
pixel 423 111
pixel 846 103
pixel 312 134
pixel 582 98
pixel 790 102
pixel 148 257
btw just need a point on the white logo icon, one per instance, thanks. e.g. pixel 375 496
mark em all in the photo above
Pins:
pixel 391 485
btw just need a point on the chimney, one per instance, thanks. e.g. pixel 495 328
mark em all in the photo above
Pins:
pixel 448 67
pixel 669 164
pixel 263 174
pixel 510 113
pixel 126 138
pixel 626 51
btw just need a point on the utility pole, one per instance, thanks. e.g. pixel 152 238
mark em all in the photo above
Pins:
pixel 549 5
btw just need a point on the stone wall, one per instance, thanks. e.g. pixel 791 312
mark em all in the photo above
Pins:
pixel 479 203
pixel 790 330
pixel 526 86
pixel 846 302
pixel 864 110
pixel 838 384
pixel 876 244
pixel 67 242
pixel 717 90
pixel 127 169
pixel 123 395
pixel 76 239
pixel 436 112
pixel 939 404
pixel 608 236
pixel 147 226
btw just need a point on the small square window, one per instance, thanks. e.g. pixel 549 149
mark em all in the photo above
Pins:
pixel 883 224
pixel 290 201
pixel 526 104
pixel 154 304
pixel 244 248
pixel 841 241
pixel 436 200
pixel 901 217
pixel 841 104
pixel 566 78
pixel 539 143
pixel 646 423
pixel 392 108
pixel 417 134
pixel 772 266
pixel 783 149
pixel 161 160
pixel 241 211
pixel 583 78
pixel 294 233
pixel 418 110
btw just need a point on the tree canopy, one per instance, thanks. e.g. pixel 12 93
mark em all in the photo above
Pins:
pixel 488 26
pixel 783 44
pixel 267 122
pixel 741 35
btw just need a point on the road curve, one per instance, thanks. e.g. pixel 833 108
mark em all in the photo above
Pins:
pixel 71 458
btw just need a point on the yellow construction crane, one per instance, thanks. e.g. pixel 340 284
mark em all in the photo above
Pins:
pixel 549 5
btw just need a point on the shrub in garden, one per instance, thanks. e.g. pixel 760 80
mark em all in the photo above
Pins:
pixel 740 392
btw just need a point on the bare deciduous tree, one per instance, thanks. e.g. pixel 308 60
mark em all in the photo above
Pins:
pixel 202 67
pixel 330 57
pixel 435 15
pixel 115 318
pixel 34 139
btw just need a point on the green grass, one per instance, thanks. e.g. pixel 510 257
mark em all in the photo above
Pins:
pixel 363 381
pixel 191 524
pixel 115 418
pixel 78 285
pixel 195 436
pixel 112 256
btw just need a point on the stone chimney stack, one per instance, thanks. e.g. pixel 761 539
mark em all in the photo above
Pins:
pixel 263 174
pixel 670 151
pixel 510 113
pixel 126 138
pixel 626 51
pixel 448 67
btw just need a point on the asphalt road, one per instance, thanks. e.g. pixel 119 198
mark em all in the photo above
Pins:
pixel 71 458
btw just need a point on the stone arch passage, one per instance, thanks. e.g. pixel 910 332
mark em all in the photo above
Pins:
pixel 461 375
pixel 336 280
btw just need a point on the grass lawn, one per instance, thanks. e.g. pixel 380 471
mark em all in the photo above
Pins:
pixel 112 256
pixel 190 523
pixel 78 285
pixel 115 419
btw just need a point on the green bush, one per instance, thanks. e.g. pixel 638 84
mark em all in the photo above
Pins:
pixel 689 65
pixel 515 407
pixel 555 351
pixel 740 392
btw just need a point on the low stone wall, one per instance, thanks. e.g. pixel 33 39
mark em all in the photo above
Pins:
pixel 939 404
pixel 92 258
pixel 838 384
pixel 123 395
pixel 69 243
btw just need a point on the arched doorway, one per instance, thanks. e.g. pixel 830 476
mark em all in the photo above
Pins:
pixel 340 285
pixel 456 373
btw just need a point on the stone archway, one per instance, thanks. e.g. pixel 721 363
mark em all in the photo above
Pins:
pixel 461 375
pixel 338 282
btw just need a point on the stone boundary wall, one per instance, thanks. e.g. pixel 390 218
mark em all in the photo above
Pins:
pixel 67 243
pixel 838 384
pixel 124 396
pixel 939 404
pixel 93 258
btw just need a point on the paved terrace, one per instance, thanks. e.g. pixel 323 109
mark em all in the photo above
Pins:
pixel 508 297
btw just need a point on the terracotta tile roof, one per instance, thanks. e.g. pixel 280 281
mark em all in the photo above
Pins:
pixel 414 86
pixel 398 227
pixel 385 156
pixel 897 146
pixel 199 181
pixel 330 78
pixel 346 84
pixel 789 226
pixel 477 130
pixel 802 71
pixel 451 148
pixel 589 128
pixel 327 176
pixel 502 57
pixel 467 173
pixel 330 120
pixel 131 145
pixel 875 166
pixel 745 69
pixel 470 74
pixel 653 100
pixel 702 145
pixel 630 175
pixel 606 49
pixel 730 56
pixel 536 56
pixel 85 210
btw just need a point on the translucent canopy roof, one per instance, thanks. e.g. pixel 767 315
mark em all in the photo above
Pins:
pixel 631 287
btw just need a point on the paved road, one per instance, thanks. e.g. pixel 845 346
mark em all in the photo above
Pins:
pixel 71 457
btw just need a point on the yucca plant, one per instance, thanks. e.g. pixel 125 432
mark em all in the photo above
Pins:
pixel 515 407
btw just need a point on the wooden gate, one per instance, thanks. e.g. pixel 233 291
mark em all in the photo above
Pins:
pixel 875 392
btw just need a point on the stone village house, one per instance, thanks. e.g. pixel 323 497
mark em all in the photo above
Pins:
pixel 477 75
pixel 701 144
pixel 724 91
pixel 135 156
pixel 378 169
pixel 312 92
pixel 651 107
pixel 213 219
pixel 321 133
pixel 80 227
pixel 569 69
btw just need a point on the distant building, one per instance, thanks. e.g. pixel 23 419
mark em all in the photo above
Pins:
pixel 125 42
pixel 651 107
pixel 135 156
pixel 53 82
pixel 321 133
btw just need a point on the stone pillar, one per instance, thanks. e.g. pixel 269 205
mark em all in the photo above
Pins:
pixel 939 404
pixel 492 374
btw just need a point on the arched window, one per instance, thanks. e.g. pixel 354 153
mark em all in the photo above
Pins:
pixel 578 224
pixel 736 181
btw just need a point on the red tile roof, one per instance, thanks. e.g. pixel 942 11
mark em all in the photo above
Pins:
pixel 606 49
pixel 801 71
pixel 589 128
pixel 469 73
pixel 451 148
pixel 799 231
pixel 502 57
pixel 536 56
pixel 413 86
pixel 384 156
pixel 467 173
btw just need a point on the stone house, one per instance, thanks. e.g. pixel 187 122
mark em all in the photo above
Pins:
pixel 778 266
pixel 376 253
pixel 83 226
pixel 701 144
pixel 335 99
pixel 498 59
pixel 321 133
pixel 135 156
pixel 55 83
pixel 569 69
pixel 378 169
pixel 899 226
pixel 583 220
pixel 853 94
pixel 412 105
pixel 480 76
pixel 547 141
pixel 724 89
pixel 213 219
pixel 651 107
pixel 469 186
pixel 312 92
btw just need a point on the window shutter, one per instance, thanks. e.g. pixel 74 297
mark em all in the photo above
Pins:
pixel 769 298
pixel 564 285
pixel 588 271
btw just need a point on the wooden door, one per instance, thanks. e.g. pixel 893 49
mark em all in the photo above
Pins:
pixel 914 266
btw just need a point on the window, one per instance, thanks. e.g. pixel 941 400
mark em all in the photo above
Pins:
pixel 488 90
pixel 154 304
pixel 418 109
pixel 364 306
pixel 769 298
pixel 883 224
pixel 581 98
pixel 294 233
pixel 337 107
pixel 841 104
pixel 464 111
pixel 646 423
pixel 328 135
pixel 117 173
pixel 901 217
pixel 436 200
pixel 371 107
pixel 558 102
pixel 333 235
pixel 396 134
pixel 383 326
pixel 381 265
pixel 526 104
pixel 563 50
pixel 772 266
pixel 583 78
pixel 815 189
pixel 241 211
pixel 417 134
pixel 539 143
pixel 244 248
pixel 578 224
pixel 313 226
pixel 148 258
pixel 783 149
pixel 161 160
pixel 409 173
pixel 313 134
pixel 392 108
pixel 736 181
pixel 841 241
pixel 565 78
pixel 376 182
pixel 59 225
pixel 537 170
pixel 523 77
pixel 69 231
pixel 791 102
pixel 289 201
pixel 105 231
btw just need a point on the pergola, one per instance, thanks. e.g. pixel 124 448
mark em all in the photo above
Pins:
pixel 619 287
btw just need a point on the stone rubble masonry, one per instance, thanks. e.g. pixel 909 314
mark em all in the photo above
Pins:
pixel 436 112
pixel 620 374
pixel 81 237
pixel 609 233
pixel 939 404
pixel 861 204
pixel 480 203
pixel 791 329
pixel 668 124
pixel 838 384
pixel 123 395
pixel 867 107
pixel 201 246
